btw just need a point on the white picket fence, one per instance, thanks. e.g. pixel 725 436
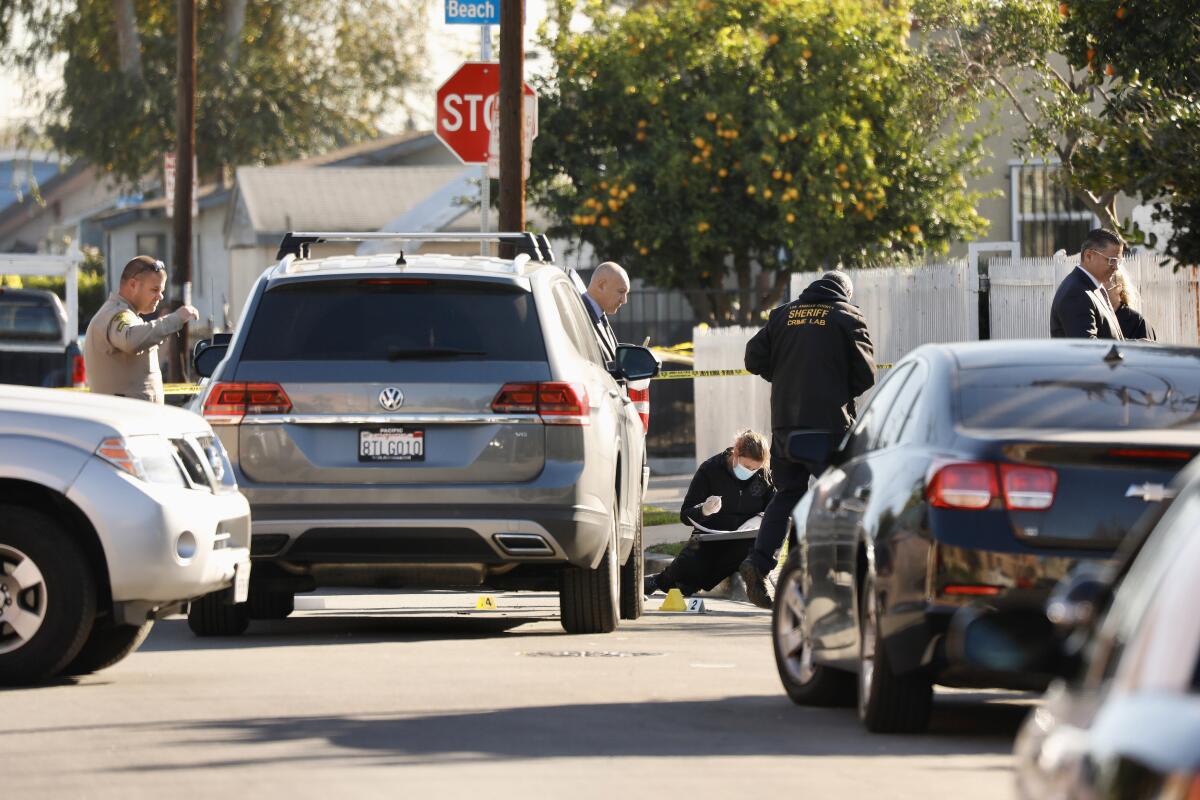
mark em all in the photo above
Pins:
pixel 909 306
pixel 1021 294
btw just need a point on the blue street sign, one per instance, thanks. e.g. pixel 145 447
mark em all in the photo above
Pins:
pixel 472 12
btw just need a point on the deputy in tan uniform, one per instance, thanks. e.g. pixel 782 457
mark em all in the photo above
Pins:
pixel 120 350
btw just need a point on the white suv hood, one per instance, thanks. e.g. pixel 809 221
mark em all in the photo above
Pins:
pixel 70 413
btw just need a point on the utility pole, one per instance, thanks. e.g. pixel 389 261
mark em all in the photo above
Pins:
pixel 512 119
pixel 185 150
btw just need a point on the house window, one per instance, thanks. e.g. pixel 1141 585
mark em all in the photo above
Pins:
pixel 1047 217
pixel 153 245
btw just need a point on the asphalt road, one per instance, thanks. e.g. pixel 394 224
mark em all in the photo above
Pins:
pixel 370 695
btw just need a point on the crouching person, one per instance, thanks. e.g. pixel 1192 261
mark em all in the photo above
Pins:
pixel 728 489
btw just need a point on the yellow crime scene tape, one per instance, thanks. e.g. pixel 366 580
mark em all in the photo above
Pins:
pixel 685 374
pixel 168 388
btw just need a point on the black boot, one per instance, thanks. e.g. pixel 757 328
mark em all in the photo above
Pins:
pixel 650 585
pixel 757 589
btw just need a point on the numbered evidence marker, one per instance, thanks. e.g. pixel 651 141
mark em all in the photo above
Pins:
pixel 486 602
pixel 695 605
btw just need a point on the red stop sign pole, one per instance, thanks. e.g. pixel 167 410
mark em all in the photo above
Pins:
pixel 464 109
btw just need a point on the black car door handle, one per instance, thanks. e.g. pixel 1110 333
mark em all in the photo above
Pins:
pixel 862 492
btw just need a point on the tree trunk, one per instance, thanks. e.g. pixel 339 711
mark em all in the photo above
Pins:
pixel 129 44
pixel 235 21
pixel 741 268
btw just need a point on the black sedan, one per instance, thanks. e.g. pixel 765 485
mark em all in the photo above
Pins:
pixel 977 476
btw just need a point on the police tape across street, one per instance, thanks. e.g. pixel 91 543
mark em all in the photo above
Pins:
pixel 683 374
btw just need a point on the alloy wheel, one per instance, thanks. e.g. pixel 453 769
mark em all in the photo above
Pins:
pixel 23 599
pixel 790 635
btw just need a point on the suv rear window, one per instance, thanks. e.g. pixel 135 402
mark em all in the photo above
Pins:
pixel 30 319
pixel 365 321
pixel 1082 398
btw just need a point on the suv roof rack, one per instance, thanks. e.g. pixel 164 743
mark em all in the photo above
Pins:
pixel 534 245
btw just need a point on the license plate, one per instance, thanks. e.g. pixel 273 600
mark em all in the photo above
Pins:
pixel 391 444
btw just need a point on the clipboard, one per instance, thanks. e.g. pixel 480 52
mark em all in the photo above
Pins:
pixel 747 530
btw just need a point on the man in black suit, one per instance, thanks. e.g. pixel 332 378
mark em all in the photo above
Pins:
pixel 607 291
pixel 1081 308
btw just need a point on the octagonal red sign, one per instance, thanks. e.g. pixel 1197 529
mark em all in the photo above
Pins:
pixel 464 106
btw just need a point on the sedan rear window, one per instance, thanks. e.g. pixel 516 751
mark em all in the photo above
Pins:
pixel 1083 398
pixel 394 321
pixel 29 319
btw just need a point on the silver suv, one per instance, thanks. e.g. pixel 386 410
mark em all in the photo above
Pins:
pixel 432 421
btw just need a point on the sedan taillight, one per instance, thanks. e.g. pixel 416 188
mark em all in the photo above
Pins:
pixel 1028 488
pixel 227 403
pixel 556 402
pixel 969 485
pixel 78 372
pixel 973 485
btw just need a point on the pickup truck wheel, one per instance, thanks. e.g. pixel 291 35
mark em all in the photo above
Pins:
pixel 806 682
pixel 107 644
pixel 887 703
pixel 633 575
pixel 47 597
pixel 588 601
pixel 212 616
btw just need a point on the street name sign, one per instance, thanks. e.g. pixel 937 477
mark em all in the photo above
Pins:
pixel 472 12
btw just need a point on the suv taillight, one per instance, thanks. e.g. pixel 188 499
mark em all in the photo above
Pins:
pixel 556 402
pixel 78 372
pixel 974 485
pixel 228 402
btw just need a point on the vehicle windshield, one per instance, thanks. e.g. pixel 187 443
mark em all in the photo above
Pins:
pixel 29 318
pixel 1091 397
pixel 426 320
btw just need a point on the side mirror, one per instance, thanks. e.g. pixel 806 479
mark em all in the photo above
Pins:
pixel 205 360
pixel 637 363
pixel 1077 600
pixel 811 448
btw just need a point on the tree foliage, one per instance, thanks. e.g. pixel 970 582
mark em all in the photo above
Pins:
pixel 1106 87
pixel 690 139
pixel 288 78
pixel 1149 50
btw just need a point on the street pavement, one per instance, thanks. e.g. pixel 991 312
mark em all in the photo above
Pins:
pixel 419 695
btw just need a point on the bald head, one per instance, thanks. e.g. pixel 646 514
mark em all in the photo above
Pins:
pixel 609 286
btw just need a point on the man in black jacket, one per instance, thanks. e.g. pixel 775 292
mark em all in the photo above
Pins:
pixel 817 355
pixel 1081 308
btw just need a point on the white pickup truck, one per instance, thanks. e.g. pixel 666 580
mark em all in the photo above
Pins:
pixel 115 513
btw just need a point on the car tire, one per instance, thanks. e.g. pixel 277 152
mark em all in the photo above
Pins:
pixel 107 644
pixel 212 616
pixel 269 604
pixel 887 703
pixel 806 683
pixel 633 602
pixel 47 590
pixel 589 600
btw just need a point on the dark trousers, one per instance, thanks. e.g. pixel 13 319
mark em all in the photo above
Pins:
pixel 791 482
pixel 702 565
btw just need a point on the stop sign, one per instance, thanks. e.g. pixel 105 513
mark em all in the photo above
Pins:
pixel 464 109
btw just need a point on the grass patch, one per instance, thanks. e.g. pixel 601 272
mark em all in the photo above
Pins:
pixel 670 549
pixel 653 515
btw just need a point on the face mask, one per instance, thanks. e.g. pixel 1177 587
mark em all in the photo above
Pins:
pixel 743 473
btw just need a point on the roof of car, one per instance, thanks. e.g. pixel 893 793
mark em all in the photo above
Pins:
pixel 518 269
pixel 1044 352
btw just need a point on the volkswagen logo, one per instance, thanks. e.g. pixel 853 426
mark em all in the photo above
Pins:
pixel 391 398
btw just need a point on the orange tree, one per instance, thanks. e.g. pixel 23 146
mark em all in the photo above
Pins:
pixel 692 141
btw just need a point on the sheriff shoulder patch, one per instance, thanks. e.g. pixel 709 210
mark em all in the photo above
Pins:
pixel 125 319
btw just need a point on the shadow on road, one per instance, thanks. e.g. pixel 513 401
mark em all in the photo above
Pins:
pixel 733 726
pixel 363 627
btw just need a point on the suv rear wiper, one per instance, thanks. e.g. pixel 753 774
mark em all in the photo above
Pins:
pixel 397 353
